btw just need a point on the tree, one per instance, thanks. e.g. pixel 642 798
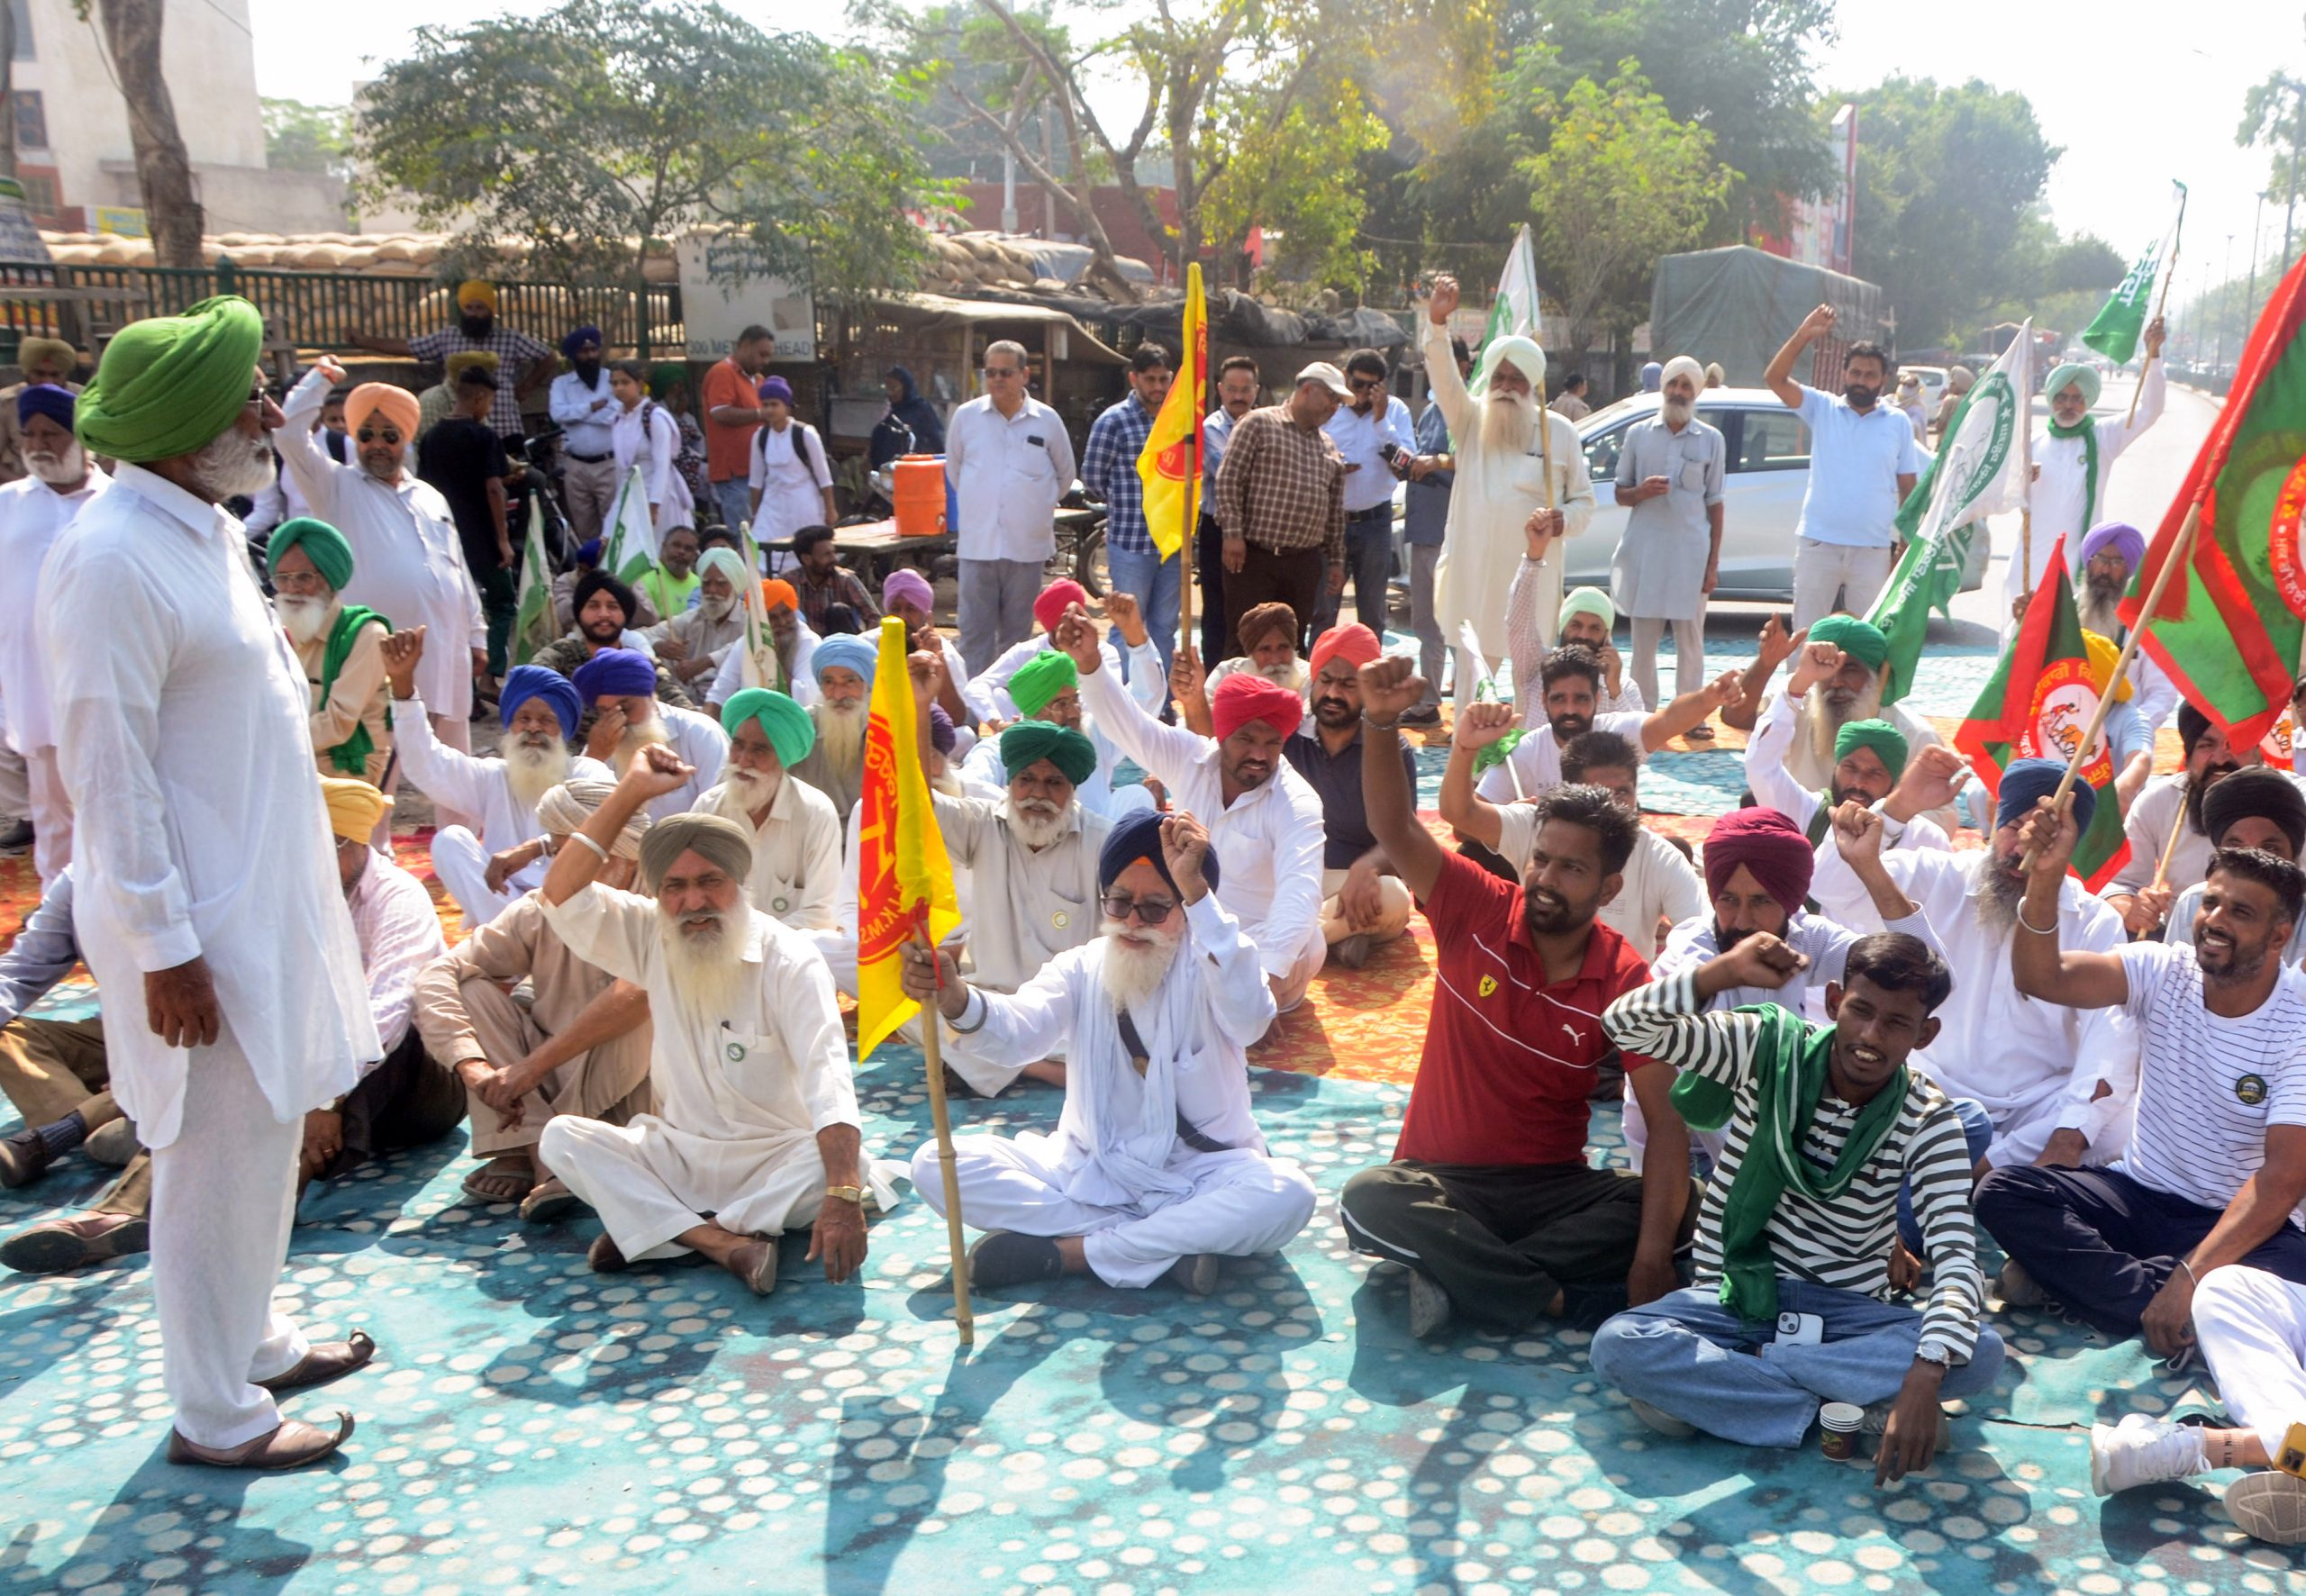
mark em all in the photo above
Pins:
pixel 301 138
pixel 2273 118
pixel 131 33
pixel 596 128
pixel 2086 262
pixel 1620 184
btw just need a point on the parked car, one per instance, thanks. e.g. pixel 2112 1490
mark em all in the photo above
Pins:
pixel 1767 476
pixel 1934 379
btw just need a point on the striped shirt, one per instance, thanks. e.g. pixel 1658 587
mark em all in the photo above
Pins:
pixel 1843 1244
pixel 515 352
pixel 2208 1085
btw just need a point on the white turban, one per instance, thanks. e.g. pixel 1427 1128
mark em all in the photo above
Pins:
pixel 1683 366
pixel 1523 353
pixel 563 810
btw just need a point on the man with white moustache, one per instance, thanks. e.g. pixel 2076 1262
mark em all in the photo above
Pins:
pixel 619 685
pixel 693 644
pixel 835 765
pixel 340 647
pixel 795 831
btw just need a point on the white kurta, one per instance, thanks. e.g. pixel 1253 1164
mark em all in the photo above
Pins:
pixel 792 492
pixel 1149 675
pixel 1025 908
pixel 1534 767
pixel 700 742
pixel 1116 1171
pixel 2059 491
pixel 180 715
pixel 398 933
pixel 795 877
pixel 1781 739
pixel 31 515
pixel 1484 544
pixel 984 776
pixel 2159 808
pixel 408 564
pixel 1773 786
pixel 730 679
pixel 654 454
pixel 1528 630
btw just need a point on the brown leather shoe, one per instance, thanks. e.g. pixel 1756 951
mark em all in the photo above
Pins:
pixel 291 1444
pixel 67 1243
pixel 23 1159
pixel 325 1360
pixel 755 1264
pixel 605 1258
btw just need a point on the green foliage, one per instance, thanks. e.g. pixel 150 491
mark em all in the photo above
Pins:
pixel 1296 182
pixel 2273 118
pixel 608 122
pixel 301 138
pixel 2086 262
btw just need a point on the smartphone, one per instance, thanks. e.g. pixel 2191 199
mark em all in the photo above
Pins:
pixel 1800 1330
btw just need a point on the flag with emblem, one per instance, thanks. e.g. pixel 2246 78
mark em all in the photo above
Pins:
pixel 2115 331
pixel 905 881
pixel 1169 464
pixel 2039 701
pixel 631 549
pixel 1516 310
pixel 532 623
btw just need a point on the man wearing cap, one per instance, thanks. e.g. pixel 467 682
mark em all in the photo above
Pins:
pixel 1010 461
pixel 1371 430
pixel 757 1122
pixel 2031 1064
pixel 794 830
pixel 340 647
pixel 2174 802
pixel 1585 621
pixel 1147 675
pixel 1800 730
pixel 582 406
pixel 1281 502
pixel 1264 821
pixel 1109 473
pixel 1521 472
pixel 478 331
pixel 56 482
pixel 786 657
pixel 47 362
pixel 835 763
pixel 2074 459
pixel 235 992
pixel 606 611
pixel 408 561
pixel 579 1045
pixel 1157 1169
pixel 694 642
pixel 615 685
pixel 1364 904
pixel 1670 470
pixel 2108 555
pixel 487 873
pixel 1047 691
pixel 790 476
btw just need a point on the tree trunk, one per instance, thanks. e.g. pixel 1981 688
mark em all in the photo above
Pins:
pixel 132 30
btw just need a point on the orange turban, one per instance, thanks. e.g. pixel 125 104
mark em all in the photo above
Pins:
pixel 1356 644
pixel 775 591
pixel 398 405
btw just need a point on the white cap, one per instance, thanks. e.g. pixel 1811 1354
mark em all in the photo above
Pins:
pixel 1328 375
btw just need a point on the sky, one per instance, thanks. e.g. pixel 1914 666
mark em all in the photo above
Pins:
pixel 2132 109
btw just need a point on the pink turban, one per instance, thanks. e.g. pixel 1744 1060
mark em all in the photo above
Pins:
pixel 1245 696
pixel 1766 842
pixel 1056 599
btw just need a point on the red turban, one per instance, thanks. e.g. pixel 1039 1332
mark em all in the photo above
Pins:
pixel 1766 843
pixel 1056 599
pixel 1357 643
pixel 1246 696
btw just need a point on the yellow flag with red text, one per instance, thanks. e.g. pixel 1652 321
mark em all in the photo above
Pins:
pixel 905 881
pixel 1169 465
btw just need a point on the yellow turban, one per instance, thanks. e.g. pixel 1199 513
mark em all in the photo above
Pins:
pixel 354 807
pixel 398 405
pixel 476 293
pixel 33 352
pixel 2103 652
pixel 457 364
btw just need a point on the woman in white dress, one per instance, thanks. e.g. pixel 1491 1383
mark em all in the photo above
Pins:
pixel 792 477
pixel 647 435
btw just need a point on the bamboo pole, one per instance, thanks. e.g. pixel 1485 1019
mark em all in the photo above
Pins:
pixel 933 1026
pixel 2170 848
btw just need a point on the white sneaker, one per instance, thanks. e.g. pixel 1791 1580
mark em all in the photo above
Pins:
pixel 2269 1507
pixel 2142 1451
pixel 2018 1289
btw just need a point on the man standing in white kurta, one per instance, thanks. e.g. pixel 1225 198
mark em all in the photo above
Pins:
pixel 756 1130
pixel 1157 1167
pixel 1501 491
pixel 2074 459
pixel 208 907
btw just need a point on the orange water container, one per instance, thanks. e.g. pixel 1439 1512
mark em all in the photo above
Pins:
pixel 920 495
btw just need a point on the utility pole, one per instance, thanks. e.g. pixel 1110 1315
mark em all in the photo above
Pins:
pixel 2289 182
pixel 2225 293
pixel 2250 303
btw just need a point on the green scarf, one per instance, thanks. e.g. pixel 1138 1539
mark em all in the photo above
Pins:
pixel 1789 1063
pixel 2087 429
pixel 352 755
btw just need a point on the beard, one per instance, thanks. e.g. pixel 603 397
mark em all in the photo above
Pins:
pixel 1035 821
pixel 1547 913
pixel 705 955
pixel 588 372
pixel 1840 706
pixel 635 739
pixel 1859 396
pixel 477 327
pixel 1281 673
pixel 840 734
pixel 63 470
pixel 1508 424
pixel 716 610
pixel 743 792
pixel 533 769
pixel 2198 785
pixel 1678 411
pixel 2101 597
pixel 1334 713
pixel 1569 725
pixel 1136 960
pixel 381 466
pixel 1997 906
pixel 301 618
pixel 231 466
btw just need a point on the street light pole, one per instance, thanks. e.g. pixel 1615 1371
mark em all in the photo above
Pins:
pixel 2225 293
pixel 2250 303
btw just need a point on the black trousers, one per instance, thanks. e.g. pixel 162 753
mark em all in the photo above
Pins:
pixel 1297 578
pixel 1209 571
pixel 406 1101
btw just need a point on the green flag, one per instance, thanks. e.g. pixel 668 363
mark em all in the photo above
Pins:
pixel 532 623
pixel 631 551
pixel 2117 328
pixel 1515 309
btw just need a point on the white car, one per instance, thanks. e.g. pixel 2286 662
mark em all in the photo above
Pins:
pixel 1765 479
pixel 1933 386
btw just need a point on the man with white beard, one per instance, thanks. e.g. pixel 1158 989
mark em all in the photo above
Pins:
pixel 487 873
pixel 757 1124
pixel 1158 1168
pixel 835 765
pixel 618 686
pixel 34 510
pixel 1501 490
pixel 2073 456
pixel 2105 559
pixel 1270 636
pixel 1047 691
pixel 693 644
pixel 794 830
pixel 786 659
pixel 340 647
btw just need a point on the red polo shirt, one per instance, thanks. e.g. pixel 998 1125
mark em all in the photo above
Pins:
pixel 1508 1060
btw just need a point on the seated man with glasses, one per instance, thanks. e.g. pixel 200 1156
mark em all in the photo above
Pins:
pixel 1157 1169
pixel 1009 462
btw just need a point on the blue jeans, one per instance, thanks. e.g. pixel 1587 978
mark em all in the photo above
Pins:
pixel 735 497
pixel 1977 1126
pixel 1688 1355
pixel 1369 562
pixel 1152 581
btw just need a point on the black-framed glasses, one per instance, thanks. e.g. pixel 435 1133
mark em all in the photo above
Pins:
pixel 1365 385
pixel 371 435
pixel 1149 912
pixel 1003 371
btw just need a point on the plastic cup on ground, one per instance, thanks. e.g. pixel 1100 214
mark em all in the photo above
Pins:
pixel 1837 1424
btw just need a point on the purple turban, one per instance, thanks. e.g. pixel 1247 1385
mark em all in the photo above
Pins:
pixel 909 585
pixel 615 673
pixel 2118 536
pixel 942 737
pixel 1767 843
pixel 45 399
pixel 776 387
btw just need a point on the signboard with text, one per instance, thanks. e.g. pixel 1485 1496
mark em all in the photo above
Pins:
pixel 724 289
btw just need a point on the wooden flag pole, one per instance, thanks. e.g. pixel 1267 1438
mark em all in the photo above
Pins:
pixel 2170 848
pixel 2160 300
pixel 1188 501
pixel 933 1026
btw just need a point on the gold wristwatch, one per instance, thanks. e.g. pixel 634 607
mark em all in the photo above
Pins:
pixel 847 1195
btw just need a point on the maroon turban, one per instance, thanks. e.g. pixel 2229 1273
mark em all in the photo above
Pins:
pixel 1766 843
pixel 1244 696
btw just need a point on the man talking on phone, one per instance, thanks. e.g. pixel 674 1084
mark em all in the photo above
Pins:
pixel 1371 431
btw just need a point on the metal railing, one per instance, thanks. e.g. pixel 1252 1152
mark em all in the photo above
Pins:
pixel 86 305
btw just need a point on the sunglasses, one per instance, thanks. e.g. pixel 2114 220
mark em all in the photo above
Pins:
pixel 1365 385
pixel 373 435
pixel 1149 912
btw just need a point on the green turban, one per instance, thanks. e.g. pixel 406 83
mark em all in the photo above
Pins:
pixel 170 385
pixel 1589 600
pixel 1041 678
pixel 1885 739
pixel 1860 639
pixel 721 843
pixel 2075 373
pixel 1031 741
pixel 783 722
pixel 322 544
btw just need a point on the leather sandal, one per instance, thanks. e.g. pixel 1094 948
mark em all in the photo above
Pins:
pixel 325 1360
pixel 549 1201
pixel 291 1445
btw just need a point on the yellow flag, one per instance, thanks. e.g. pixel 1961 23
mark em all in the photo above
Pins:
pixel 905 881
pixel 1169 465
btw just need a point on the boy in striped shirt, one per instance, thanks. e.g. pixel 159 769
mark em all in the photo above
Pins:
pixel 1825 1123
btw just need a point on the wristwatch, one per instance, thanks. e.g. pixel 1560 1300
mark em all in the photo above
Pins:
pixel 854 1195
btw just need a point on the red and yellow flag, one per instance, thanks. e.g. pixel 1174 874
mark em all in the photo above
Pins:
pixel 1169 465
pixel 905 881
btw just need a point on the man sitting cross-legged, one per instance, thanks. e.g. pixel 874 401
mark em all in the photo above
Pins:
pixel 1157 1168
pixel 794 830
pixel 578 1046
pixel 1825 1125
pixel 339 645
pixel 1873 763
pixel 1570 686
pixel 2255 807
pixel 1147 682
pixel 627 718
pixel 2216 1160
pixel 693 644
pixel 785 658
pixel 539 709
pixel 1489 1199
pixel 757 1131
pixel 606 613
pixel 1047 689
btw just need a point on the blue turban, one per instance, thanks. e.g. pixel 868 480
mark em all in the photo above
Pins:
pixel 1139 838
pixel 588 552
pixel 615 673
pixel 850 653
pixel 45 399
pixel 1653 377
pixel 582 335
pixel 524 681
pixel 2029 780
